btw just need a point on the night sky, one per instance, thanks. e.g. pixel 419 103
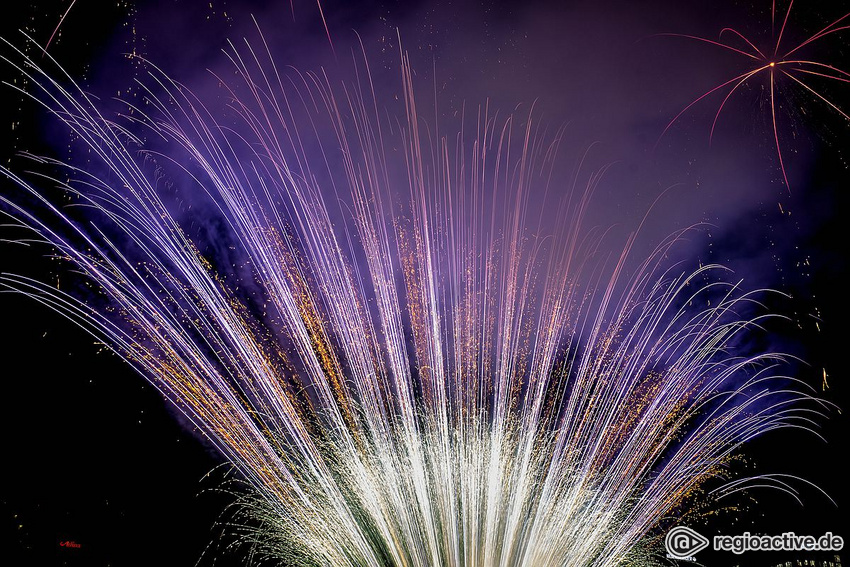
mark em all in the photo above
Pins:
pixel 94 456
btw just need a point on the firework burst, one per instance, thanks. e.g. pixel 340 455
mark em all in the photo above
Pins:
pixel 776 65
pixel 391 353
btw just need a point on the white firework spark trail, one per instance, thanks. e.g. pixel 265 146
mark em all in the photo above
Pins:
pixel 417 377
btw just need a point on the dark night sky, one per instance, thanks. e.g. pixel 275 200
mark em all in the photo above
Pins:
pixel 92 453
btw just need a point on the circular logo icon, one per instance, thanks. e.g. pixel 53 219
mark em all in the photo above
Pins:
pixel 684 543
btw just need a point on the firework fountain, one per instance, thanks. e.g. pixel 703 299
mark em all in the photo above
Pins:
pixel 399 359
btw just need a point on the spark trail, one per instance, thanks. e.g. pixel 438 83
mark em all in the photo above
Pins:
pixel 391 354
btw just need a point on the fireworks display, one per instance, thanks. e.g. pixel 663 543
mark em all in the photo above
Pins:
pixel 776 61
pixel 394 315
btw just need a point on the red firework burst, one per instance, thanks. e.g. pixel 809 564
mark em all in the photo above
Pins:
pixel 775 65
